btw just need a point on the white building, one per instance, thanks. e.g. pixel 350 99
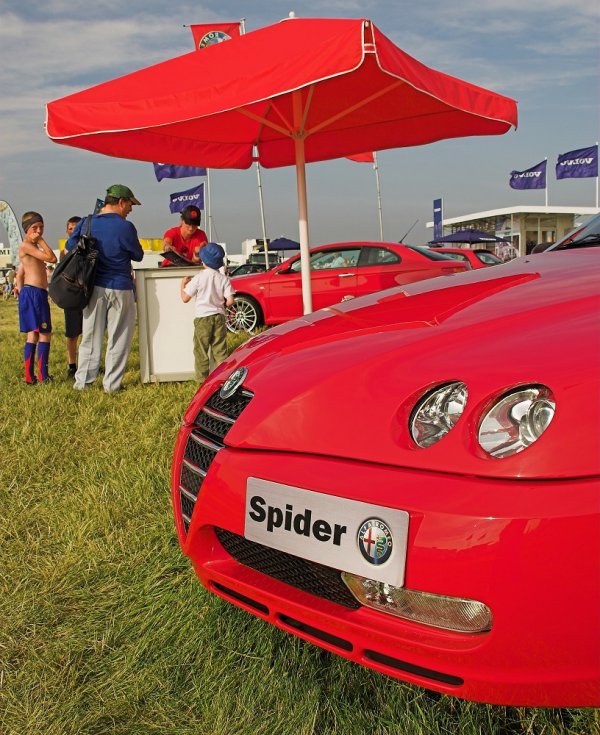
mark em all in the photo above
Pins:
pixel 524 226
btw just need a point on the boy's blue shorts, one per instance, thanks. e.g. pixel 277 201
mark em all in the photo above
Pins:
pixel 34 310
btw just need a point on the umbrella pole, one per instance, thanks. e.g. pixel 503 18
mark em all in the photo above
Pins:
pixel 262 216
pixel 376 169
pixel 302 206
pixel 208 213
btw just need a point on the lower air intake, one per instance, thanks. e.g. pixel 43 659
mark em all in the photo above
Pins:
pixel 308 576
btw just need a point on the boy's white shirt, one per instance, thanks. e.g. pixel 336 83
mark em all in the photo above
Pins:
pixel 210 289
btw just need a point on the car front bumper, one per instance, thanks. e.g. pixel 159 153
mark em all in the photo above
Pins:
pixel 528 550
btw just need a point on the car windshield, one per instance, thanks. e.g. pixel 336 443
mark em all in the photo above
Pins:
pixel 431 254
pixel 456 256
pixel 586 236
pixel 488 258
pixel 329 258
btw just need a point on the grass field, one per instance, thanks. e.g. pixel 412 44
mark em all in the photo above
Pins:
pixel 104 628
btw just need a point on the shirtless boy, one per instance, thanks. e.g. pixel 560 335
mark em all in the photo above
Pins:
pixel 32 285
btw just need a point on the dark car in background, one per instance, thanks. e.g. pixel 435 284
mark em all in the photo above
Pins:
pixel 476 257
pixel 339 271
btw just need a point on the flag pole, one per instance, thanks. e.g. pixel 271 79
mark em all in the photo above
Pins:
pixel 376 169
pixel 546 159
pixel 259 182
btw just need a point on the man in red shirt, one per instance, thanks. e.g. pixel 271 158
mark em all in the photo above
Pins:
pixel 187 239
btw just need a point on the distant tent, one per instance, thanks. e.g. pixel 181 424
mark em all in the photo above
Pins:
pixel 283 243
pixel 468 236
pixel 9 221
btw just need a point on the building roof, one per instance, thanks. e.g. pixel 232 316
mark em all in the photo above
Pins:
pixel 524 209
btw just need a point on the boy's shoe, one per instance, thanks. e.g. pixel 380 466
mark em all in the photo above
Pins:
pixel 30 382
pixel 49 379
pixel 71 372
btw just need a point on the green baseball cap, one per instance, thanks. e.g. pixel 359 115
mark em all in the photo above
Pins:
pixel 120 191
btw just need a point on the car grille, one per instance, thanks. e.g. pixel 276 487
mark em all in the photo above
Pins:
pixel 211 425
pixel 308 576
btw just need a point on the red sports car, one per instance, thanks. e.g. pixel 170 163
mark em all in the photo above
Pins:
pixel 475 257
pixel 339 271
pixel 412 480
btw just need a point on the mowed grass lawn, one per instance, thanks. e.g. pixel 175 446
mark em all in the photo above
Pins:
pixel 103 625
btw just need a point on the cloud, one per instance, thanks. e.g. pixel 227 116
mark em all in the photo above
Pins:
pixel 541 52
pixel 71 55
pixel 513 48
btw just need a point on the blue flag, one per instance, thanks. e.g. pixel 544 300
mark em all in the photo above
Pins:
pixel 579 164
pixel 181 199
pixel 437 218
pixel 172 171
pixel 532 178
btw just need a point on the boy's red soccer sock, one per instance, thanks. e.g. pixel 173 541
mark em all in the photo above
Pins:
pixel 43 355
pixel 29 361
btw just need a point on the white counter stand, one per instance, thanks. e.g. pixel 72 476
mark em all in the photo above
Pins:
pixel 166 325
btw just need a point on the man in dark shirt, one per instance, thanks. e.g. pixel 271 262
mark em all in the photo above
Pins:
pixel 73 317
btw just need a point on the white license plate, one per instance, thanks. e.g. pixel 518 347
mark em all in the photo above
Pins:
pixel 361 538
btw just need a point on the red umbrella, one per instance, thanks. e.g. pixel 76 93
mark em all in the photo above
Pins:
pixel 294 92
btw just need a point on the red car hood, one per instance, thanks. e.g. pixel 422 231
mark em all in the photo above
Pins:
pixel 343 381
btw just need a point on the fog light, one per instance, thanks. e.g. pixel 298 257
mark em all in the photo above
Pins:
pixel 440 611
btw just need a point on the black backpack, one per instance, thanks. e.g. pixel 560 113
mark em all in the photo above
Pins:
pixel 72 282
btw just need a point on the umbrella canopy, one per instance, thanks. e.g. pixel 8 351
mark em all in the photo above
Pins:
pixel 283 243
pixel 468 236
pixel 298 91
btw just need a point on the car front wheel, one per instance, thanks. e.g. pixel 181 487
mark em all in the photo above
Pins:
pixel 244 316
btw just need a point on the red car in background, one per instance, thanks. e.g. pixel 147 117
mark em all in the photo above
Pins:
pixel 338 272
pixel 475 257
pixel 411 480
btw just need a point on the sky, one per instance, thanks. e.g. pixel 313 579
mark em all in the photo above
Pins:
pixel 542 53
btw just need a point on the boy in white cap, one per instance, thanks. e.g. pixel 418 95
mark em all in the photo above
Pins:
pixel 213 292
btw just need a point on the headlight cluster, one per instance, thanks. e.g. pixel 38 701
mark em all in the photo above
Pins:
pixel 437 412
pixel 515 420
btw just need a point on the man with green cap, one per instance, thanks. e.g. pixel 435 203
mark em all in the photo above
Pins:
pixel 111 308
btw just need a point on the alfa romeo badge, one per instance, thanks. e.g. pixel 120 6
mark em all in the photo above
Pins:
pixel 375 541
pixel 233 382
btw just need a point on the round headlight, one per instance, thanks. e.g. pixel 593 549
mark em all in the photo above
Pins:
pixel 516 420
pixel 437 412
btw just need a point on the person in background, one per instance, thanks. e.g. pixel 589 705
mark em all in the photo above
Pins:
pixel 32 287
pixel 187 239
pixel 111 308
pixel 73 317
pixel 10 283
pixel 213 292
